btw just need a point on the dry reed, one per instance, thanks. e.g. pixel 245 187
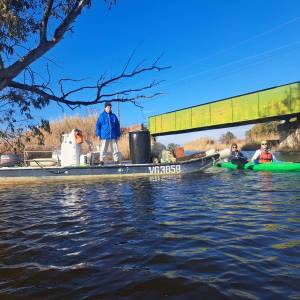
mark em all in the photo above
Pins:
pixel 52 141
pixel 206 143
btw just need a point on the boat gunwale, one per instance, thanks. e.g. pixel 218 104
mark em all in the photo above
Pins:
pixel 110 166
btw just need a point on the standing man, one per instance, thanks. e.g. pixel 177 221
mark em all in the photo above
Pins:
pixel 108 131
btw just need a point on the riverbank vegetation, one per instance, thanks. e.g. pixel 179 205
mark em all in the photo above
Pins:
pixel 253 137
pixel 265 131
pixel 207 143
pixel 52 140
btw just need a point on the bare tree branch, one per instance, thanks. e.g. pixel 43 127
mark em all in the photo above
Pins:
pixel 125 95
pixel 131 74
pixel 76 103
pixel 7 74
pixel 128 61
pixel 49 76
pixel 1 62
pixel 44 23
pixel 139 65
pixel 125 92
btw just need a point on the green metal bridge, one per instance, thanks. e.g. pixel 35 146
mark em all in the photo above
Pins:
pixel 276 103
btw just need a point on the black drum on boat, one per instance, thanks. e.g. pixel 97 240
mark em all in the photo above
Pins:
pixel 140 147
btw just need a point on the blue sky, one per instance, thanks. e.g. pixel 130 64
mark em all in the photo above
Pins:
pixel 216 48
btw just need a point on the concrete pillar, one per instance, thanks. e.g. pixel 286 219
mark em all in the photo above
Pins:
pixel 289 135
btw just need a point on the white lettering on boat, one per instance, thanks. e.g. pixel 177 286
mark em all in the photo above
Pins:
pixel 171 169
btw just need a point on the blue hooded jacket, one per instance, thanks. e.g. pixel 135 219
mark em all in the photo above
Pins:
pixel 108 126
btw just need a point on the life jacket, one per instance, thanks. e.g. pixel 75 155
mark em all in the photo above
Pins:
pixel 265 157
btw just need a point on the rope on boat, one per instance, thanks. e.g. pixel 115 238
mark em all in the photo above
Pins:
pixel 50 171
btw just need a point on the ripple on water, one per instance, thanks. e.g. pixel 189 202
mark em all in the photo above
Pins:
pixel 230 235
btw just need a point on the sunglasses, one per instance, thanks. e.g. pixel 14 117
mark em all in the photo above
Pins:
pixel 234 147
pixel 263 144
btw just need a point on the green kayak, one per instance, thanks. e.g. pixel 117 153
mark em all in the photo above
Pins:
pixel 268 167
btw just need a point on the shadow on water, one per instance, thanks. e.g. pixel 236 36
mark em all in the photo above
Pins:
pixel 213 235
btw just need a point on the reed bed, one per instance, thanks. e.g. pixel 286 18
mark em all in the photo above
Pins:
pixel 52 141
pixel 206 143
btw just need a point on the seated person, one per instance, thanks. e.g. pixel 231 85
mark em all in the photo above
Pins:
pixel 236 156
pixel 263 155
pixel 156 150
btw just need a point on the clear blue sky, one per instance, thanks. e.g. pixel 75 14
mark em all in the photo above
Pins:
pixel 216 49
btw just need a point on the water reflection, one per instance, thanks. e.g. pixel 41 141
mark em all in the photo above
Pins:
pixel 231 234
pixel 71 200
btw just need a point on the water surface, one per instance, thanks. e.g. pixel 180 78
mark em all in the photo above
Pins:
pixel 219 235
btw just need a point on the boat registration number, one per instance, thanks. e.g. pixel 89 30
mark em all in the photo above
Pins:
pixel 172 169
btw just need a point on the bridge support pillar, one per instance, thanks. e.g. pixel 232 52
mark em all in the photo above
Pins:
pixel 289 134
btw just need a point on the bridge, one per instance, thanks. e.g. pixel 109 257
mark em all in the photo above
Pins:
pixel 275 103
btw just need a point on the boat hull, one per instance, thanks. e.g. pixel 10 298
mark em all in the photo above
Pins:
pixel 23 174
pixel 266 167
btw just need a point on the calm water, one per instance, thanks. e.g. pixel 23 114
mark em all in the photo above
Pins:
pixel 219 235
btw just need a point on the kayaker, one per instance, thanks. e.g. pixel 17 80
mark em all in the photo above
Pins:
pixel 235 153
pixel 156 150
pixel 108 132
pixel 264 154
pixel 236 156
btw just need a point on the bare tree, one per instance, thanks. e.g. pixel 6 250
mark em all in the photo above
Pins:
pixel 23 21
pixel 227 138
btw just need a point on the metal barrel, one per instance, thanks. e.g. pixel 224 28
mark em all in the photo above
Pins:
pixel 140 147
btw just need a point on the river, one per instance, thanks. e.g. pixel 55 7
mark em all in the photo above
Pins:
pixel 216 235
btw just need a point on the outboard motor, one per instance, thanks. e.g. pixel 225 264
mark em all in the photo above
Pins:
pixel 71 148
pixel 140 147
